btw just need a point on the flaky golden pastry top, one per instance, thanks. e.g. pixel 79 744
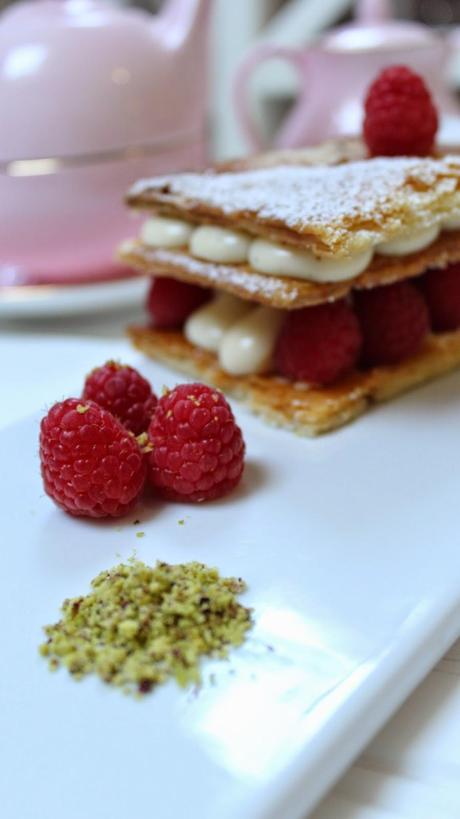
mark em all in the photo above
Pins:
pixel 332 210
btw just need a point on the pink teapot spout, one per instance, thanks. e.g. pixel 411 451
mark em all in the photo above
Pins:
pixel 180 33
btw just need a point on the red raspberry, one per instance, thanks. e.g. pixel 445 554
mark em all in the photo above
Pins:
pixel 90 464
pixel 394 322
pixel 400 117
pixel 441 289
pixel 318 344
pixel 170 302
pixel 198 450
pixel 124 392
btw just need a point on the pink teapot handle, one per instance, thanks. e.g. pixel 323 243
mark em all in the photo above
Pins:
pixel 257 55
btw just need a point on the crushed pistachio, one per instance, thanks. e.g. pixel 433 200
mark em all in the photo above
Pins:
pixel 141 625
pixel 181 522
pixel 82 408
pixel 140 534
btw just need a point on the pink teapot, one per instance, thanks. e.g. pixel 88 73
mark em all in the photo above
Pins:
pixel 92 97
pixel 336 72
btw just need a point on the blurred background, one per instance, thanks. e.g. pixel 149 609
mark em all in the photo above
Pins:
pixel 236 25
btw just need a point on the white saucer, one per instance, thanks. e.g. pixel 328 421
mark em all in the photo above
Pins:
pixel 57 300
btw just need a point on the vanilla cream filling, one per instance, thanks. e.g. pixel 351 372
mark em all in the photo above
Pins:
pixel 410 243
pixel 206 326
pixel 247 346
pixel 275 259
pixel 217 244
pixel 163 232
pixel 280 260
pixel 224 246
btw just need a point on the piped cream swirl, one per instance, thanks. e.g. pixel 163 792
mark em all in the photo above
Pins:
pixel 217 244
pixel 164 232
pixel 280 260
pixel 206 326
pixel 247 347
pixel 410 243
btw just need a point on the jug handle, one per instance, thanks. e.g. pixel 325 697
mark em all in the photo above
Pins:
pixel 259 54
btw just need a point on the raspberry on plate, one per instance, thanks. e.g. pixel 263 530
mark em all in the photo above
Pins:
pixel 91 465
pixel 441 289
pixel 394 322
pixel 123 391
pixel 400 117
pixel 318 344
pixel 198 449
pixel 170 302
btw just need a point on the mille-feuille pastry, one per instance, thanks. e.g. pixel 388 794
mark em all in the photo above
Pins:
pixel 312 315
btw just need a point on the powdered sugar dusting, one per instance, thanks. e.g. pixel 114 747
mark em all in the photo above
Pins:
pixel 344 207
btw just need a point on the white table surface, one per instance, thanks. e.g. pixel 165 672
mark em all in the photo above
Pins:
pixel 412 768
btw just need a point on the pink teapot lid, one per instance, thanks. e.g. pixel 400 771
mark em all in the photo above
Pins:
pixel 83 76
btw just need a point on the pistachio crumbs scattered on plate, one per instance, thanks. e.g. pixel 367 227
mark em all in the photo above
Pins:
pixel 141 625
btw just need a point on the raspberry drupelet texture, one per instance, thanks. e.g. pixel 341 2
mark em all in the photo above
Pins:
pixel 400 117
pixel 170 302
pixel 91 466
pixel 124 392
pixel 318 344
pixel 394 322
pixel 198 449
pixel 441 289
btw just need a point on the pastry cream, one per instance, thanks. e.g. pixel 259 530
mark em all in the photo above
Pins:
pixel 410 243
pixel 207 325
pixel 217 244
pixel 270 257
pixel 247 347
pixel 160 231
pixel 280 260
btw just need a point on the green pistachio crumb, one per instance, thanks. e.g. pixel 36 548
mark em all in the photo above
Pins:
pixel 82 408
pixel 140 534
pixel 140 625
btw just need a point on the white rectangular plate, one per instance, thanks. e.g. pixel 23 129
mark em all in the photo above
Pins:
pixel 350 548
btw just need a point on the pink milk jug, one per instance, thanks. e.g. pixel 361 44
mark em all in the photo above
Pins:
pixel 92 97
pixel 336 72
